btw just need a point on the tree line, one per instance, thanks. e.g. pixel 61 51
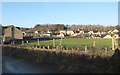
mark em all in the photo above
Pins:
pixel 58 27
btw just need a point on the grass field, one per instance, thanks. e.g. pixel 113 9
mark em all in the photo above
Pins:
pixel 75 42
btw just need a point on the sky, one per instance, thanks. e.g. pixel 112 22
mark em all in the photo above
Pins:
pixel 28 14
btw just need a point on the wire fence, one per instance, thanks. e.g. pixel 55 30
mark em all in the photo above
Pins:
pixel 68 42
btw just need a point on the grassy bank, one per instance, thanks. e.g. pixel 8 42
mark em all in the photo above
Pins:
pixel 69 62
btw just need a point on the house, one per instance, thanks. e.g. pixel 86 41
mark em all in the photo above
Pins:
pixel 61 35
pixel 116 36
pixel 70 32
pixel 107 37
pixel 90 32
pixel 95 36
pixel 103 33
pixel 11 33
pixel 24 29
pixel 96 32
pixel 80 31
pixel 37 31
pixel 27 34
pixel 110 32
pixel 50 31
pixel 63 32
pixel 114 31
pixel 86 32
pixel 46 35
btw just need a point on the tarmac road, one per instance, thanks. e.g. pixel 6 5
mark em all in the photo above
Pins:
pixel 14 65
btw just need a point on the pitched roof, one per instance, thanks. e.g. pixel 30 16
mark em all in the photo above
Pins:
pixel 86 31
pixel 95 31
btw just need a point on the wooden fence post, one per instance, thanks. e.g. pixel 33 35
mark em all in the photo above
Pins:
pixel 116 44
pixel 61 41
pixel 53 42
pixel 106 49
pixel 27 42
pixel 77 48
pixel 48 47
pixel 13 42
pixel 94 43
pixel 67 48
pixel 72 49
pixel 38 42
pixel 22 42
pixel 85 49
pixel 113 48
pixel 57 47
pixel 43 47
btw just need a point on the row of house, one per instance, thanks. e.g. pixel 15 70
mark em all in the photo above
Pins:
pixel 91 33
pixel 72 32
pixel 11 32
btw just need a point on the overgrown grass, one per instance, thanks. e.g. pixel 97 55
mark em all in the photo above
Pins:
pixel 69 62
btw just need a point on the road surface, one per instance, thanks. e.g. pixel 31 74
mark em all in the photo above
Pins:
pixel 14 65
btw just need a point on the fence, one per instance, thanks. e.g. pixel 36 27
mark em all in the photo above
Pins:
pixel 70 42
pixel 91 50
